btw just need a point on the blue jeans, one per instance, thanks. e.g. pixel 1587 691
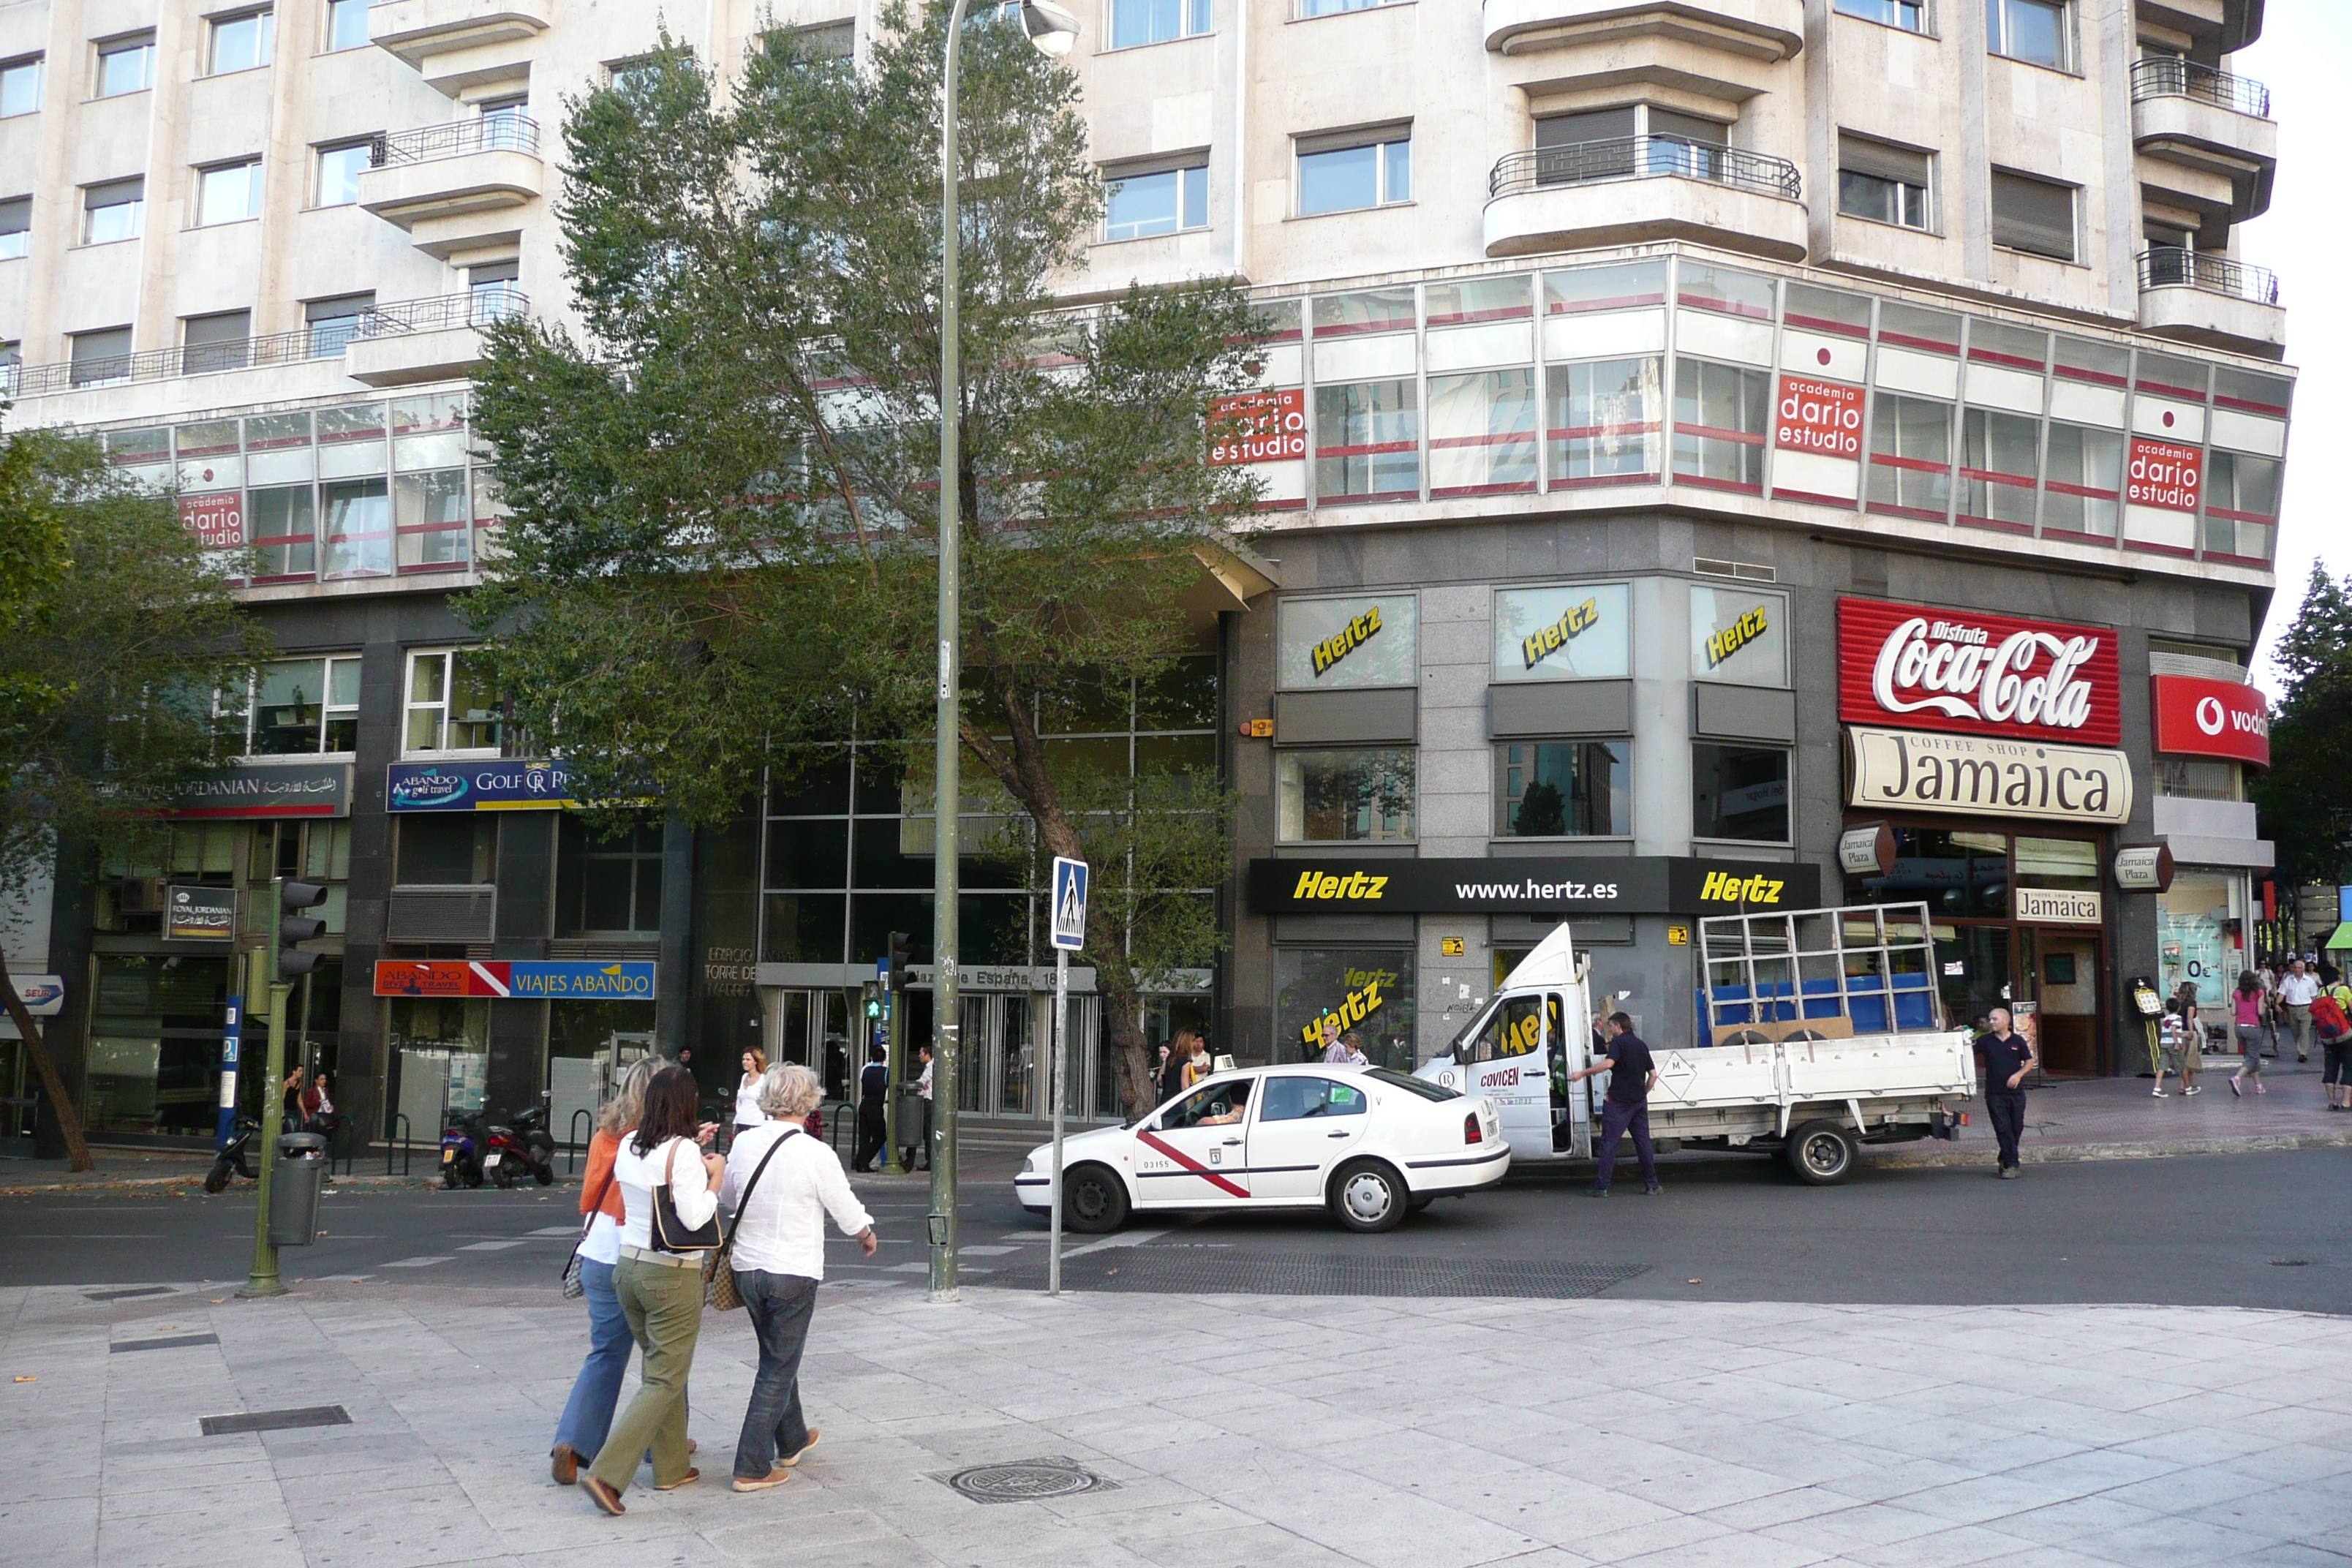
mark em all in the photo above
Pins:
pixel 780 1306
pixel 1615 1119
pixel 588 1414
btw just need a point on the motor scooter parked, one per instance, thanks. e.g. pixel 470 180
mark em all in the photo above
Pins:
pixel 235 1156
pixel 526 1148
pixel 461 1149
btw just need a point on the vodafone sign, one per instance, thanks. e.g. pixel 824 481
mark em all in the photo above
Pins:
pixel 2201 717
pixel 1972 674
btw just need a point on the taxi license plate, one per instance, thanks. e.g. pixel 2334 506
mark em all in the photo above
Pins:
pixel 491 1161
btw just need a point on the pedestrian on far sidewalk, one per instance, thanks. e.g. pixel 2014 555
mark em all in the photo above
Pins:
pixel 1632 1073
pixel 2179 1048
pixel 2193 1035
pixel 1347 1051
pixel 2328 1018
pixel 2297 993
pixel 922 1145
pixel 873 1134
pixel 782 1183
pixel 747 1091
pixel 2248 1031
pixel 2008 1058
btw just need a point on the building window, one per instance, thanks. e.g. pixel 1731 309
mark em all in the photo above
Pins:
pixel 1353 171
pixel 1161 202
pixel 1911 457
pixel 219 342
pixel 229 192
pixel 617 885
pixel 1721 415
pixel 1343 797
pixel 2036 216
pixel 1322 644
pixel 1368 441
pixel 1740 793
pixel 1738 635
pixel 447 849
pixel 338 183
pixel 1911 15
pixel 1999 453
pixel 1482 432
pixel 2198 778
pixel 2242 504
pixel 451 704
pixel 1883 183
pixel 20 87
pixel 2084 490
pixel 101 357
pixel 15 226
pixel 116 210
pixel 2038 31
pixel 1561 789
pixel 282 522
pixel 242 43
pixel 347 25
pixel 1134 22
pixel 304 706
pixel 358 529
pixel 336 322
pixel 1604 420
pixel 125 65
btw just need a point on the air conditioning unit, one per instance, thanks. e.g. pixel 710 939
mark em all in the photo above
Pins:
pixel 142 895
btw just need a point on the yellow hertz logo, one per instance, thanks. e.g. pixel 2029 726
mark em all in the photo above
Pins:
pixel 1331 885
pixel 1722 886
pixel 1358 1007
pixel 1580 618
pixel 1735 637
pixel 1347 640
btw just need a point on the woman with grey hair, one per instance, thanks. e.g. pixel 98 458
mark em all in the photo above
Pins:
pixel 782 1183
pixel 588 1414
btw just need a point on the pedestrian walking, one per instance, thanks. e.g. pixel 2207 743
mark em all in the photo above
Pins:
pixel 2008 1058
pixel 2179 1048
pixel 781 1185
pixel 2297 991
pixel 1171 1071
pixel 748 1114
pixel 1632 1073
pixel 2249 1032
pixel 2329 1019
pixel 872 1089
pixel 659 1281
pixel 922 1145
pixel 1347 1051
pixel 2192 1037
pixel 588 1415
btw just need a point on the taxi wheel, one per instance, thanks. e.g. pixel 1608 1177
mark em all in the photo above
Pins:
pixel 1368 1195
pixel 1821 1153
pixel 1096 1202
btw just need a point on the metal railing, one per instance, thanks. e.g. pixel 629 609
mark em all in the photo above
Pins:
pixel 2170 266
pixel 476 308
pixel 486 134
pixel 1641 158
pixel 2168 75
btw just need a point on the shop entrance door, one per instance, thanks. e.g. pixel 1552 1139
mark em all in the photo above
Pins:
pixel 813 1029
pixel 1972 963
pixel 2061 973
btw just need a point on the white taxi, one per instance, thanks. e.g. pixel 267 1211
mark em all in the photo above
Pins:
pixel 1369 1144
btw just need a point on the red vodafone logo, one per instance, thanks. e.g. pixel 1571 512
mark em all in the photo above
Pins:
pixel 1971 673
pixel 2201 718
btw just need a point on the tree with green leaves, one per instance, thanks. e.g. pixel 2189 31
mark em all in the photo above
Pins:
pixel 119 629
pixel 720 550
pixel 2305 798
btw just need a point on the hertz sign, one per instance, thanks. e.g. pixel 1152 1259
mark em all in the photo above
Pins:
pixel 1645 884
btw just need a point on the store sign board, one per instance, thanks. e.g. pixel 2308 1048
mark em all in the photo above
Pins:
pixel 1257 427
pixel 199 914
pixel 1739 635
pixel 2164 474
pixel 2201 718
pixel 44 995
pixel 496 786
pixel 1328 643
pixel 521 979
pixel 262 790
pixel 2144 867
pixel 1981 776
pixel 217 522
pixel 2051 906
pixel 1823 417
pixel 1563 885
pixel 1581 632
pixel 1866 849
pixel 1969 673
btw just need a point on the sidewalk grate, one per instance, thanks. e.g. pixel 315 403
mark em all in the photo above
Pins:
pixel 275 1420
pixel 119 1346
pixel 126 1295
pixel 1152 1270
pixel 1025 1480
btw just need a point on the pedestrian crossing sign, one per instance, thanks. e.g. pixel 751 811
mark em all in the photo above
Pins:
pixel 1069 903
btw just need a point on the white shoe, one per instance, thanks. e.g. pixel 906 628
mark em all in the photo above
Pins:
pixel 2159 1094
pixel 2192 1088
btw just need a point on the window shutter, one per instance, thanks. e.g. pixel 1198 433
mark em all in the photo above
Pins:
pixel 1858 156
pixel 113 193
pixel 2033 215
pixel 1594 125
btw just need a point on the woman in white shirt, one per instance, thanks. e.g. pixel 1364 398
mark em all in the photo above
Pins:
pixel 660 1292
pixel 747 1093
pixel 793 1182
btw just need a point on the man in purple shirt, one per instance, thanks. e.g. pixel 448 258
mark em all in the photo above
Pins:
pixel 1631 1075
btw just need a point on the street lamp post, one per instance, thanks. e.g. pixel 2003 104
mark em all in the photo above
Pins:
pixel 1052 30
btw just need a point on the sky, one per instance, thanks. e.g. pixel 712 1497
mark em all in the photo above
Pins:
pixel 2304 57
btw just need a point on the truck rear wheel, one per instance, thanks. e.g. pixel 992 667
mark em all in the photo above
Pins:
pixel 1821 1153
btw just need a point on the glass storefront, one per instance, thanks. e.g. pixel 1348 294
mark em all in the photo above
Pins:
pixel 155 1044
pixel 440 1053
pixel 1364 991
pixel 2200 934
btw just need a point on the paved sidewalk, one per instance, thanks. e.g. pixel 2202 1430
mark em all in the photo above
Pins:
pixel 1238 1432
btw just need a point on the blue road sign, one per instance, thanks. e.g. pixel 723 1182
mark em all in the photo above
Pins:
pixel 1069 903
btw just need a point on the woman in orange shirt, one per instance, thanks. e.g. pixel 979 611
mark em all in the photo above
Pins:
pixel 588 1414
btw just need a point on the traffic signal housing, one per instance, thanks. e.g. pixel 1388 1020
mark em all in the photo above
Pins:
pixel 289 963
pixel 899 941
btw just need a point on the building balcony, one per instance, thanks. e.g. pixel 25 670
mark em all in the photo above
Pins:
pixel 428 340
pixel 455 187
pixel 2215 27
pixel 1633 189
pixel 1768 30
pixel 416 30
pixel 171 365
pixel 2211 301
pixel 2214 126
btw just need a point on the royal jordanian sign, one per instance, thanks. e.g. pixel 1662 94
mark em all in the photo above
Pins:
pixel 1555 885
pixel 1983 776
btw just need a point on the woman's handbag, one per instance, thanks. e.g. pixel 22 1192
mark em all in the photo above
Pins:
pixel 671 1235
pixel 719 1281
pixel 574 1287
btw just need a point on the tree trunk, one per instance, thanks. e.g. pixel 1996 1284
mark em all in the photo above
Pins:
pixel 69 1121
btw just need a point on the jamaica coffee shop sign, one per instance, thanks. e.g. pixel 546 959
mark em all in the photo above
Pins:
pixel 1638 884
pixel 1981 776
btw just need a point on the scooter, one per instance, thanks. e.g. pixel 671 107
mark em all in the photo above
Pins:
pixel 524 1149
pixel 461 1151
pixel 235 1156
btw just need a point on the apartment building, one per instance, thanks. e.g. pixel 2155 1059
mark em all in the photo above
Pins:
pixel 1718 454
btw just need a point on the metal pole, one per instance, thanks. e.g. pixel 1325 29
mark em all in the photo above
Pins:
pixel 263 1280
pixel 947 1026
pixel 894 1058
pixel 1061 1067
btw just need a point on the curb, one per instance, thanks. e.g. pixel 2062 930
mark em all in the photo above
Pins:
pixel 102 1183
pixel 2153 1149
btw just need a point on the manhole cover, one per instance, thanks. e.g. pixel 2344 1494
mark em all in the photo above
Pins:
pixel 1027 1480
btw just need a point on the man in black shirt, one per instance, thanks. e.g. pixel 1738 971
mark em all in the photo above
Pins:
pixel 2008 1058
pixel 1631 1076
pixel 873 1085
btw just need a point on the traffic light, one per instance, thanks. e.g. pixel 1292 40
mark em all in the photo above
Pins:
pixel 897 963
pixel 290 963
pixel 873 1000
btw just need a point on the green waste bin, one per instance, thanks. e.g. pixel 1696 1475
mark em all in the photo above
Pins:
pixel 294 1189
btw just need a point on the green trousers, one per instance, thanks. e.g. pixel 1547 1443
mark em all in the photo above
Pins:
pixel 664 1309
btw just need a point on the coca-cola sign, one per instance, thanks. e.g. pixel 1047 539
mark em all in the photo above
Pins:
pixel 1969 673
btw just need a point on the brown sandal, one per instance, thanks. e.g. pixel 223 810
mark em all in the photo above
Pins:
pixel 563 1463
pixel 600 1494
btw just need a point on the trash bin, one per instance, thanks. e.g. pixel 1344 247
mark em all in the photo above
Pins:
pixel 294 1189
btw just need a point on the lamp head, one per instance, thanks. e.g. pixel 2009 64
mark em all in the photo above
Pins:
pixel 1051 29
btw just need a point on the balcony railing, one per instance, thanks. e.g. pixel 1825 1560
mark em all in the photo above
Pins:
pixel 1641 158
pixel 489 134
pixel 2170 266
pixel 321 340
pixel 2168 75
